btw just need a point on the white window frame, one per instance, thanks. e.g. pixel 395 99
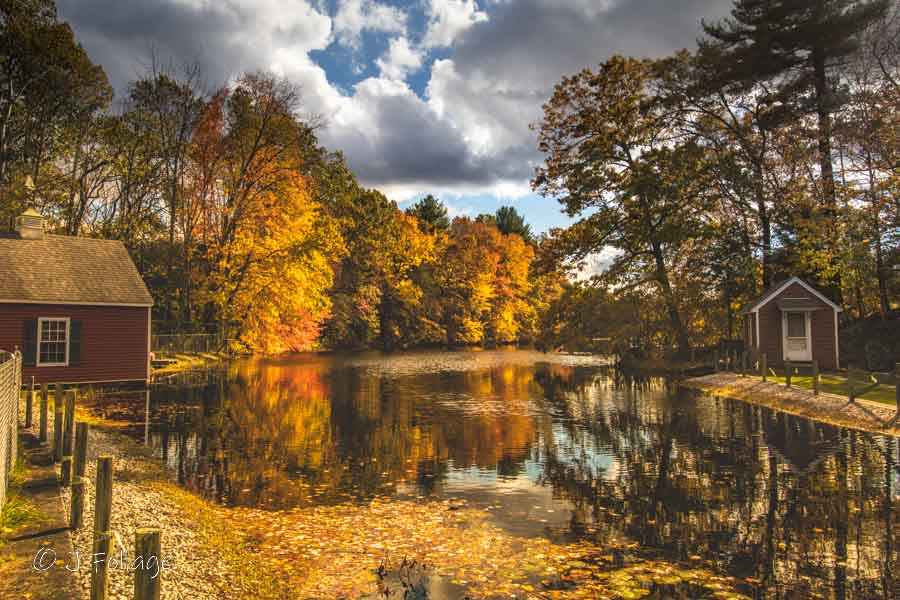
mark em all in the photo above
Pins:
pixel 41 321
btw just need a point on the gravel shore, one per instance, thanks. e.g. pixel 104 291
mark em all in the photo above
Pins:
pixel 138 501
pixel 827 408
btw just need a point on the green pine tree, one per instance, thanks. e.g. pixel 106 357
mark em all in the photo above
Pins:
pixel 431 212
pixel 796 48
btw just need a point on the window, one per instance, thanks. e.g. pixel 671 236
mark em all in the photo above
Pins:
pixel 796 325
pixel 53 342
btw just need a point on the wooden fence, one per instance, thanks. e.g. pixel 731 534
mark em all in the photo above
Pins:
pixel 750 363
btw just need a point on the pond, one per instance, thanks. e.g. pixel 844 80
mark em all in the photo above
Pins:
pixel 555 449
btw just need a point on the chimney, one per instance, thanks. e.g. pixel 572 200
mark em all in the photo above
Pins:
pixel 30 225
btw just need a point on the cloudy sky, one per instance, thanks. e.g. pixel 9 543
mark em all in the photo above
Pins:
pixel 423 96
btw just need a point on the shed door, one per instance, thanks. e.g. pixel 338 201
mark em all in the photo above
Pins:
pixel 797 339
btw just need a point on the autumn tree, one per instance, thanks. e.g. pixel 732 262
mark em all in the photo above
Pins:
pixel 376 297
pixel 616 158
pixel 50 92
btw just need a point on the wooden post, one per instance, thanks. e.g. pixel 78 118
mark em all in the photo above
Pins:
pixel 68 439
pixel 102 535
pixel 716 360
pixel 58 422
pixel 44 417
pixel 815 377
pixel 81 440
pixel 787 373
pixel 850 391
pixel 763 369
pixel 897 385
pixel 693 355
pixel 147 580
pixel 743 363
pixel 76 511
pixel 29 405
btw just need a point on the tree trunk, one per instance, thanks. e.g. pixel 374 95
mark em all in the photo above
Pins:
pixel 829 199
pixel 881 271
pixel 765 226
pixel 662 278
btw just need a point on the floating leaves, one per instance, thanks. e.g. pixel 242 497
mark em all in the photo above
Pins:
pixel 346 550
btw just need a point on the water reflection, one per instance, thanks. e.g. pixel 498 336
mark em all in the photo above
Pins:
pixel 554 446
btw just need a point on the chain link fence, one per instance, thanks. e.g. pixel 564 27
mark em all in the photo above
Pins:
pixel 10 384
pixel 166 345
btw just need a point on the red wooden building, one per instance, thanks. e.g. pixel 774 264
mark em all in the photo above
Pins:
pixel 794 321
pixel 76 307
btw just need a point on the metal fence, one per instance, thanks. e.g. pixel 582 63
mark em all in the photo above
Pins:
pixel 185 343
pixel 10 384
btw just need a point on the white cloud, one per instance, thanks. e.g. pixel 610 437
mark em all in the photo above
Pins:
pixel 450 18
pixel 399 60
pixel 355 16
pixel 491 114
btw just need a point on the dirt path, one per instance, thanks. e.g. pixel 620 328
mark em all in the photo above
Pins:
pixel 28 560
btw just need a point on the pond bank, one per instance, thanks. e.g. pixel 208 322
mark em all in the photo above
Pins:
pixel 205 561
pixel 827 408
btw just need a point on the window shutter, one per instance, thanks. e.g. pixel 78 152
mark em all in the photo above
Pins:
pixel 75 343
pixel 29 342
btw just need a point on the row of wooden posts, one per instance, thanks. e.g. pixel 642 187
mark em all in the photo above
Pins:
pixel 738 362
pixel 69 449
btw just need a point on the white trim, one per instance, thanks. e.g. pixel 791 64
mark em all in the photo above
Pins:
pixel 807 324
pixel 149 363
pixel 58 303
pixel 756 320
pixel 37 358
pixel 837 340
pixel 784 285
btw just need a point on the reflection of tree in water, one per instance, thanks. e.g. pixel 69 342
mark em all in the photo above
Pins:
pixel 282 437
pixel 800 507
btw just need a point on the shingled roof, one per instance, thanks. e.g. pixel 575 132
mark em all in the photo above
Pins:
pixel 60 269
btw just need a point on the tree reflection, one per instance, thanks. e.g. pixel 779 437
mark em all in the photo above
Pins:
pixel 796 508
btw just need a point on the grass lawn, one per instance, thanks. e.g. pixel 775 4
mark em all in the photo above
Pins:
pixel 835 384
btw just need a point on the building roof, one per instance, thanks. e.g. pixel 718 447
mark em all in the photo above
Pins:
pixel 773 291
pixel 60 269
pixel 798 304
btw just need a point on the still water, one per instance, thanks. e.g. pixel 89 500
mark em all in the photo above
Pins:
pixel 556 446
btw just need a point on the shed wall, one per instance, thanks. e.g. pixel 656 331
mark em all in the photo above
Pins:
pixel 113 341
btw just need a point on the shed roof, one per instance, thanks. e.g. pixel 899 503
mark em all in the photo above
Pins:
pixel 798 304
pixel 59 269
pixel 773 291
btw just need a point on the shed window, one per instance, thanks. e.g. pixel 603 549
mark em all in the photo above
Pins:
pixel 53 342
pixel 796 325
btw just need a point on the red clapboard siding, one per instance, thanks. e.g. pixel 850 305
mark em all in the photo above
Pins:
pixel 113 341
pixel 821 322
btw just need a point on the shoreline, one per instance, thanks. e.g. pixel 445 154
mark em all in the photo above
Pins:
pixel 863 415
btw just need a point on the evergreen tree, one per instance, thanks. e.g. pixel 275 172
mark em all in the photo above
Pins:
pixel 508 221
pixel 794 47
pixel 431 213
